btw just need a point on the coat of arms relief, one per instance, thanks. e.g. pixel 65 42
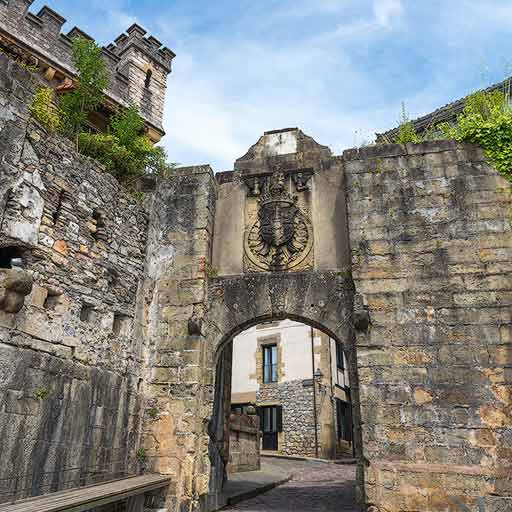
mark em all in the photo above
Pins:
pixel 279 235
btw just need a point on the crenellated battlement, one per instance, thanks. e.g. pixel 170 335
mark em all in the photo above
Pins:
pixel 151 46
pixel 137 65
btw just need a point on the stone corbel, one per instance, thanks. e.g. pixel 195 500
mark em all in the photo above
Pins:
pixel 361 315
pixel 49 74
pixel 195 325
pixel 15 285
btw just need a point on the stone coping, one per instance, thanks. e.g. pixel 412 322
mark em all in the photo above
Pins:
pixel 413 467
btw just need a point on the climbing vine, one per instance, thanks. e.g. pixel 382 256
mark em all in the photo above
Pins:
pixel 487 121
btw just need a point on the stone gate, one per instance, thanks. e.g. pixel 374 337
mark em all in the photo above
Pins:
pixel 113 314
pixel 402 253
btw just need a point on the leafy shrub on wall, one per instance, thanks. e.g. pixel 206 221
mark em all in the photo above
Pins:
pixel 44 110
pixel 487 121
pixel 124 149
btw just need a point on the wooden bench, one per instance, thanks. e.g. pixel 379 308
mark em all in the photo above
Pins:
pixel 85 498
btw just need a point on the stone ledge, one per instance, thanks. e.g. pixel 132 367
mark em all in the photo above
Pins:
pixel 193 169
pixel 431 146
pixel 413 467
pixel 421 148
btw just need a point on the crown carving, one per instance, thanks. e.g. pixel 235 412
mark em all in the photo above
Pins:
pixel 276 191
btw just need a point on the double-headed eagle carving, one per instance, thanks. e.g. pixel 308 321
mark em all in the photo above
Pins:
pixel 280 239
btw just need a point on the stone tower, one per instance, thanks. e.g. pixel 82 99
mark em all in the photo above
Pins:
pixel 137 64
pixel 146 65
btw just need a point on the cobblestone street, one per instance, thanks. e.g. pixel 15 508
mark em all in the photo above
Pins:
pixel 315 487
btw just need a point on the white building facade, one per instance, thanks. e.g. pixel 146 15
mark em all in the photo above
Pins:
pixel 297 378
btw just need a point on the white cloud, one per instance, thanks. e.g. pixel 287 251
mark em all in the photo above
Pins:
pixel 199 122
pixel 338 69
pixel 387 12
pixel 222 100
pixel 224 93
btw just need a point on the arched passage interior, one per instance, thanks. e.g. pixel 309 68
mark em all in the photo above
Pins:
pixel 296 382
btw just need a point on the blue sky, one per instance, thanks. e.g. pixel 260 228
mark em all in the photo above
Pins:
pixel 337 69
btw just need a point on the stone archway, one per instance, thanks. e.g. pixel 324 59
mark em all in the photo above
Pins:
pixel 320 299
pixel 268 240
pixel 280 244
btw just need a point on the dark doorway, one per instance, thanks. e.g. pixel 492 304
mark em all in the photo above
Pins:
pixel 271 424
pixel 344 420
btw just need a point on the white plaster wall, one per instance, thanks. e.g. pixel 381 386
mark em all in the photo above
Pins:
pixel 296 353
pixel 244 362
pixel 296 342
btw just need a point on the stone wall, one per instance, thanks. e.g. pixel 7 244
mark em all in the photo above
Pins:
pixel 244 443
pixel 110 311
pixel 71 359
pixel 296 399
pixel 180 374
pixel 432 257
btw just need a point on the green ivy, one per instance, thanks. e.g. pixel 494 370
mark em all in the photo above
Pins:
pixel 487 121
pixel 43 109
pixel 42 393
pixel 153 412
pixel 211 271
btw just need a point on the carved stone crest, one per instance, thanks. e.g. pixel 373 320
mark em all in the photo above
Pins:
pixel 281 238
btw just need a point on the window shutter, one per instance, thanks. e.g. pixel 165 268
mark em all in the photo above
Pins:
pixel 340 363
pixel 279 418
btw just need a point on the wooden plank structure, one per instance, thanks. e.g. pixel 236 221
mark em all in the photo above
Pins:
pixel 86 498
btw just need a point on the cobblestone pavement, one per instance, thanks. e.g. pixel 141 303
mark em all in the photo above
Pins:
pixel 315 487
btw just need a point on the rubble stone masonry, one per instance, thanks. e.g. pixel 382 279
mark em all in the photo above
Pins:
pixel 296 399
pixel 70 361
